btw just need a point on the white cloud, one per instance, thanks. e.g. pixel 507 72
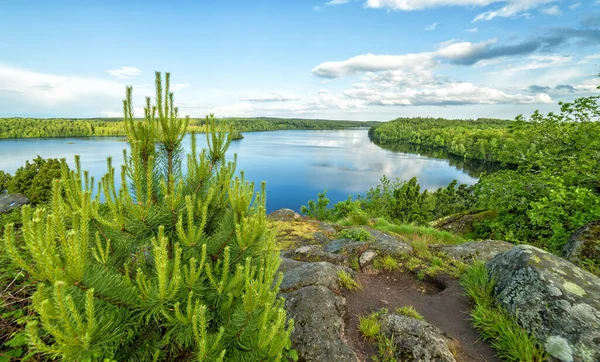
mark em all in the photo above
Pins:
pixel 337 2
pixel 271 97
pixel 509 8
pixel 539 62
pixel 52 90
pixel 124 72
pixel 431 27
pixel 374 63
pixel 574 5
pixel 553 10
pixel 472 30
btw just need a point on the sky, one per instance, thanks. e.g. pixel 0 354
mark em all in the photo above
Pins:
pixel 339 59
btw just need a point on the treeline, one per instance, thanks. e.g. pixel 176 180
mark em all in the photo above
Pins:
pixel 551 188
pixel 56 127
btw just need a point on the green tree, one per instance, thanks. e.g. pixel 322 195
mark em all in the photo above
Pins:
pixel 34 180
pixel 172 266
pixel 5 179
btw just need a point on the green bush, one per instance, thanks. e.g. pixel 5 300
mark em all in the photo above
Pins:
pixel 34 180
pixel 357 234
pixel 318 209
pixel 173 266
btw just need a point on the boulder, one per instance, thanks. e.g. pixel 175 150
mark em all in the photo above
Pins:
pixel 584 244
pixel 318 324
pixel 416 340
pixel 288 264
pixel 344 245
pixel 284 215
pixel 321 273
pixel 556 301
pixel 10 201
pixel 394 248
pixel 476 250
pixel 315 253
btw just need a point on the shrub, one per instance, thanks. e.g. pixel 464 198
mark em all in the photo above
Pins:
pixel 173 266
pixel 356 234
pixel 34 180
pixel 318 209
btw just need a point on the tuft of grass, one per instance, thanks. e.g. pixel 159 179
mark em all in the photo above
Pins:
pixel 386 348
pixel 347 281
pixel 369 326
pixel 511 342
pixel 427 235
pixel 409 311
pixel 356 234
pixel 387 262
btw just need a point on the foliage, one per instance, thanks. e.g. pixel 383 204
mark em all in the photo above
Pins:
pixel 409 311
pixel 347 281
pixel 425 234
pixel 34 180
pixel 386 348
pixel 494 324
pixel 172 266
pixel 356 234
pixel 318 209
pixel 60 127
pixel 369 326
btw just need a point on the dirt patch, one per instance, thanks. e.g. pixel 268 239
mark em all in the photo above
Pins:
pixel 441 304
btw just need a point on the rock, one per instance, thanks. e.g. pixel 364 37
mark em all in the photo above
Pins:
pixel 416 340
pixel 476 250
pixel 327 228
pixel 462 223
pixel 321 237
pixel 347 245
pixel 379 236
pixel 288 264
pixel 315 253
pixel 556 301
pixel 321 273
pixel 318 324
pixel 366 257
pixel 584 244
pixel 394 248
pixel 10 201
pixel 284 215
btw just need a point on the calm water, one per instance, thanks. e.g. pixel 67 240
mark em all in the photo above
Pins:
pixel 295 164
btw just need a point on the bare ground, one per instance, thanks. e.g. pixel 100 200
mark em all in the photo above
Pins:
pixel 441 303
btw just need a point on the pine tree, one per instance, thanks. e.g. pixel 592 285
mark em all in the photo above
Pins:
pixel 171 265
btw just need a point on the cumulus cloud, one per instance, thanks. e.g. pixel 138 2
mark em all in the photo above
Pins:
pixel 431 27
pixel 52 90
pixel 271 97
pixel 124 72
pixel 375 63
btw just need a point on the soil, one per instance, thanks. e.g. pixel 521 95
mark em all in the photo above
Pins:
pixel 440 302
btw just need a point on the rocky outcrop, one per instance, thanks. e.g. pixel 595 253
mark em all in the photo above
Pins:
pixel 311 299
pixel 284 215
pixel 462 223
pixel 584 244
pixel 556 301
pixel 11 201
pixel 315 253
pixel 416 340
pixel 476 250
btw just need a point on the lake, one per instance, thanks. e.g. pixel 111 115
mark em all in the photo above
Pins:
pixel 295 164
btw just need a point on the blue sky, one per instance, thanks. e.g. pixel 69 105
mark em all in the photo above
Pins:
pixel 355 59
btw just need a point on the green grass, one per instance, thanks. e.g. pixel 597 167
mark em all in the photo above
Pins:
pixel 427 235
pixel 386 349
pixel 409 311
pixel 347 281
pixel 511 342
pixel 369 326
pixel 387 262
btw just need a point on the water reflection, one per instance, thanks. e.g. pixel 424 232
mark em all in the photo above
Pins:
pixel 295 164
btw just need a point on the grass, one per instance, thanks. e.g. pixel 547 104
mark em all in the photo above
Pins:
pixel 511 342
pixel 387 262
pixel 347 281
pixel 386 348
pixel 424 234
pixel 409 311
pixel 290 233
pixel 369 326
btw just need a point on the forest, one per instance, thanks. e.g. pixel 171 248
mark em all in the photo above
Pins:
pixel 60 127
